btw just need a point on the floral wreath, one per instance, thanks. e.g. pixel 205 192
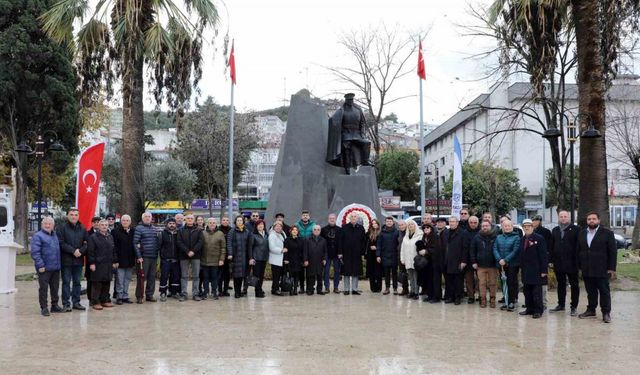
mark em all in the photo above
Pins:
pixel 365 213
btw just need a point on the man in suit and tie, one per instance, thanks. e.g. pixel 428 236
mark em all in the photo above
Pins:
pixel 597 260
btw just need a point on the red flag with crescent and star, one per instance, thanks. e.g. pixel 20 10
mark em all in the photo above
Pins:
pixel 422 73
pixel 232 63
pixel 88 185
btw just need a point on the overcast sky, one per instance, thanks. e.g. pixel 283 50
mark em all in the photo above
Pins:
pixel 287 39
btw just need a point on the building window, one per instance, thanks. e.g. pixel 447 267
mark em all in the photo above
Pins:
pixel 623 216
pixel 442 161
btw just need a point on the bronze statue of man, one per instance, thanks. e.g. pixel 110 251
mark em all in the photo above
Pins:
pixel 347 145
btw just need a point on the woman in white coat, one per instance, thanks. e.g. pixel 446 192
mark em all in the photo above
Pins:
pixel 407 253
pixel 276 256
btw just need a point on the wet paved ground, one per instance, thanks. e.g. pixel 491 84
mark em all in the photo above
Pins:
pixel 332 334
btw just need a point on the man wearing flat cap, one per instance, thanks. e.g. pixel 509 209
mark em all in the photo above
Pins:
pixel 347 145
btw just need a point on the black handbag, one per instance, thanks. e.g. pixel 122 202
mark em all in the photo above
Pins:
pixel 252 280
pixel 287 282
pixel 420 262
pixel 403 277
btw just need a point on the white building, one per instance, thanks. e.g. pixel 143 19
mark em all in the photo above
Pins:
pixel 528 153
pixel 257 179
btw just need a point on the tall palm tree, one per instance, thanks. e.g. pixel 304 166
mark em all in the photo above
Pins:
pixel 118 39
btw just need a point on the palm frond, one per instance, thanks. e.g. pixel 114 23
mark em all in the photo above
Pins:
pixel 57 22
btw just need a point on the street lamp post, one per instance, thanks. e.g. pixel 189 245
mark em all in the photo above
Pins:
pixel 55 146
pixel 435 166
pixel 572 137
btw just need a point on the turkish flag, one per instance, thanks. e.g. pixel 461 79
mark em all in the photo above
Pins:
pixel 232 64
pixel 421 71
pixel 88 184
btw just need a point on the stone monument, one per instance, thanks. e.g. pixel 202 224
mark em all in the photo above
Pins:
pixel 304 179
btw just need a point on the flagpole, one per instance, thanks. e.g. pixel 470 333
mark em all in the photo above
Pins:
pixel 423 200
pixel 230 188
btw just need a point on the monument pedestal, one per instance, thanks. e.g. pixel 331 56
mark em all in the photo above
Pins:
pixel 360 188
pixel 8 252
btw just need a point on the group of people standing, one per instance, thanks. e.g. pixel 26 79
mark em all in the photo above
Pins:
pixel 463 252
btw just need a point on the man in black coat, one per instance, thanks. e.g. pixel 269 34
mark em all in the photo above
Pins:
pixel 534 262
pixel 472 228
pixel 73 239
pixel 597 254
pixel 190 242
pixel 437 259
pixel 455 261
pixel 101 259
pixel 315 258
pixel 332 233
pixel 354 243
pixel 123 241
pixel 563 254
pixel 169 263
pixel 539 229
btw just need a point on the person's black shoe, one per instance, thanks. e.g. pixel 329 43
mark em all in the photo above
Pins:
pixel 276 293
pixel 309 293
pixel 448 301
pixel 56 309
pixel 243 294
pixel 236 295
pixel 557 308
pixel 587 314
pixel 127 301
pixel 151 299
pixel 346 292
pixel 119 302
pixel 355 293
pixel 457 301
pixel 503 307
pixel 66 308
pixel 574 311
pixel 321 293
pixel 536 316
pixel 225 294
pixel 606 317
pixel 415 297
pixel 511 307
pixel 525 312
pixel 260 295
pixel 501 300
pixel 471 301
pixel 403 293
pixel 426 299
pixel 45 312
pixel 435 301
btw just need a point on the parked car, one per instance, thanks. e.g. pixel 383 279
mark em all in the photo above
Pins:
pixel 621 242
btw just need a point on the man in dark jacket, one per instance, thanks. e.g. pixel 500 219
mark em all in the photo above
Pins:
pixel 563 254
pixel 333 235
pixel 455 261
pixel 354 243
pixel 437 259
pixel 484 263
pixel 223 284
pixel 469 273
pixel 95 222
pixel 534 262
pixel 45 252
pixel 145 242
pixel 73 248
pixel 597 254
pixel 101 259
pixel 463 223
pixel 123 241
pixel 190 243
pixel 315 258
pixel 539 229
pixel 169 264
pixel 387 254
